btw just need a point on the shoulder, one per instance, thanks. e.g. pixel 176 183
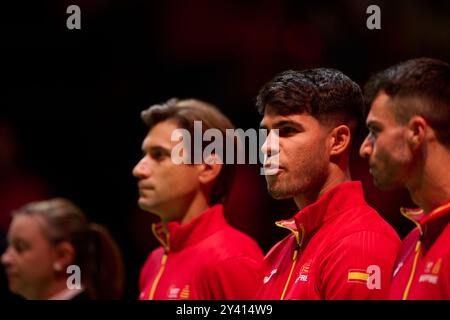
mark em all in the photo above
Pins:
pixel 361 248
pixel 361 231
pixel 229 242
pixel 364 220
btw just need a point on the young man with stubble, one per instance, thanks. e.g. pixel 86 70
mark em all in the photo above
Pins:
pixel 338 247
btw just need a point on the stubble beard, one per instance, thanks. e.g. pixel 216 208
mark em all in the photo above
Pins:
pixel 280 190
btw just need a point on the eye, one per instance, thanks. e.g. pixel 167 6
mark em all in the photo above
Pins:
pixel 287 131
pixel 158 154
pixel 373 132
pixel 20 246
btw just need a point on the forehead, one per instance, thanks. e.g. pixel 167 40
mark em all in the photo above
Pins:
pixel 160 135
pixel 303 119
pixel 381 110
pixel 27 227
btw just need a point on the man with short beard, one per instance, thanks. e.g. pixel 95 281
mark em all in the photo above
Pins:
pixel 409 146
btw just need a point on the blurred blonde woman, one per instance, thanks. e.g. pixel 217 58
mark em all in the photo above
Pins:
pixel 48 241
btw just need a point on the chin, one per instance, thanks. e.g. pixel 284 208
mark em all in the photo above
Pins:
pixel 15 289
pixel 144 205
pixel 151 208
pixel 278 194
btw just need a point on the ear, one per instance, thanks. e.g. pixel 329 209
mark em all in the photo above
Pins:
pixel 416 130
pixel 65 255
pixel 210 169
pixel 340 139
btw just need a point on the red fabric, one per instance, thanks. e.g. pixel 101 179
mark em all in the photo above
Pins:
pixel 206 259
pixel 347 251
pixel 430 278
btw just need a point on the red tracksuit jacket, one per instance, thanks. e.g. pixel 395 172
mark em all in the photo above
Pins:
pixel 339 248
pixel 204 259
pixel 422 268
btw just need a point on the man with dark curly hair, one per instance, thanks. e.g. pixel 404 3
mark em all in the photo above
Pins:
pixel 338 247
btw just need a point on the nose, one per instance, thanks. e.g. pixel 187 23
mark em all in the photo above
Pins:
pixel 271 145
pixel 6 258
pixel 142 169
pixel 366 148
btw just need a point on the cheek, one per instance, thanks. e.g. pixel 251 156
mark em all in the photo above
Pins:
pixel 190 178
pixel 32 272
pixel 181 178
pixel 39 263
pixel 389 150
pixel 312 155
pixel 306 164
pixel 380 149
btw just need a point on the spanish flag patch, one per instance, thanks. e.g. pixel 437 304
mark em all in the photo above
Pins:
pixel 357 275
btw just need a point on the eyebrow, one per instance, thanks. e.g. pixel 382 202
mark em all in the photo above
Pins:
pixel 11 240
pixel 282 123
pixel 373 123
pixel 262 125
pixel 156 148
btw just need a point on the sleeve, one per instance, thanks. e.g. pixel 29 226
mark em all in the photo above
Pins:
pixel 232 279
pixel 358 266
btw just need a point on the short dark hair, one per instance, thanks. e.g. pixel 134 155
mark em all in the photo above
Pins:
pixel 418 87
pixel 184 113
pixel 326 94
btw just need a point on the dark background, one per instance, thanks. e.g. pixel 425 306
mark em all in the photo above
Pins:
pixel 70 99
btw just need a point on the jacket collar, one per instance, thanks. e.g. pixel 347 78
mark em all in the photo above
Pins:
pixel 174 236
pixel 337 200
pixel 435 221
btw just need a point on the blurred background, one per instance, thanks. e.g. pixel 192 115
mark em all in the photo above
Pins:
pixel 70 100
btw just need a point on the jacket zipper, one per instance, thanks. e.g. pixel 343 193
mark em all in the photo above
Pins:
pixel 158 277
pixel 413 270
pixel 294 262
pixel 416 255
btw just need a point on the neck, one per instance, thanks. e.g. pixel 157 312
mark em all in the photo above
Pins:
pixel 430 188
pixel 196 206
pixel 337 176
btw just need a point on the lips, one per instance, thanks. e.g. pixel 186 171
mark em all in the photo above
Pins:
pixel 143 186
pixel 270 170
pixel 272 163
pixel 11 274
